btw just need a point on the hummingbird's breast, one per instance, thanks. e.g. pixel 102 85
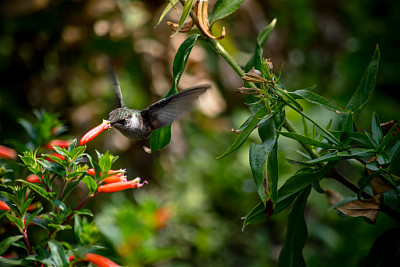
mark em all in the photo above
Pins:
pixel 135 127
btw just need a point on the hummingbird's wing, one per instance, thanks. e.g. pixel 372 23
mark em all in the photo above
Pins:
pixel 117 88
pixel 173 107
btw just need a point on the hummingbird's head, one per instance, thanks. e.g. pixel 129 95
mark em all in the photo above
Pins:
pixel 120 117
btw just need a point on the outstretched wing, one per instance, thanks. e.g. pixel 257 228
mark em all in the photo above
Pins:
pixel 117 88
pixel 173 107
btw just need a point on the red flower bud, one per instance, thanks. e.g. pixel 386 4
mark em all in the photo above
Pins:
pixel 99 260
pixel 7 153
pixel 118 186
pixel 4 206
pixel 89 136
pixel 33 178
pixel 60 143
pixel 71 258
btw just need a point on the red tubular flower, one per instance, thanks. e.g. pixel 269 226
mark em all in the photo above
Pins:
pixel 7 153
pixel 118 186
pixel 33 178
pixel 89 136
pixel 117 177
pixel 99 260
pixel 60 143
pixel 4 206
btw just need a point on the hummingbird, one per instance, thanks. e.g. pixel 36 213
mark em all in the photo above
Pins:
pixel 139 124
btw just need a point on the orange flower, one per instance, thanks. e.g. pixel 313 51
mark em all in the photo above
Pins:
pixel 60 143
pixel 7 153
pixel 119 186
pixel 99 260
pixel 4 206
pixel 33 178
pixel 89 136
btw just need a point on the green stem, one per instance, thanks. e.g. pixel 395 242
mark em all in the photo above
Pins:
pixel 289 126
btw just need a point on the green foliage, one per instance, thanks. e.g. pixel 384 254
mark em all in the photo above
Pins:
pixel 129 232
pixel 58 174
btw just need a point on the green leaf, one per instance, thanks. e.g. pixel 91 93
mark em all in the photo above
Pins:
pixel 40 190
pixel 223 8
pixel 296 236
pixel 245 132
pixel 364 90
pixel 17 262
pixel 256 62
pixel 7 242
pixel 301 180
pixel 28 128
pixel 84 212
pixel 314 98
pixel 32 216
pixel 180 60
pixel 307 140
pixel 105 162
pixel 17 221
pixel 58 254
pixel 162 136
pixel 376 129
pixel 53 167
pixel 256 215
pixel 185 13
pixel 170 5
pixel 266 179
pixel 90 183
pixel 391 201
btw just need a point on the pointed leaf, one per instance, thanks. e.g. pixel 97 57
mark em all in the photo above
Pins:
pixel 364 90
pixel 58 254
pixel 245 132
pixel 185 13
pixel 307 140
pixel 7 242
pixel 223 8
pixel 376 129
pixel 256 215
pixel 166 10
pixel 162 136
pixel 296 236
pixel 301 180
pixel 314 98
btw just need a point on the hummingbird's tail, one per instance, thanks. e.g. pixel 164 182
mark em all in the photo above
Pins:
pixel 117 88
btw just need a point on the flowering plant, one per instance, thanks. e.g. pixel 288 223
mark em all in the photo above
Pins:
pixel 53 171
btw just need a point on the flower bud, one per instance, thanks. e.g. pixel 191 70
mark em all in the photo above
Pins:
pixel 4 206
pixel 59 143
pixel 33 178
pixel 7 153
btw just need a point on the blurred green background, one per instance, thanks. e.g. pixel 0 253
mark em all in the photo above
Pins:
pixel 52 58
